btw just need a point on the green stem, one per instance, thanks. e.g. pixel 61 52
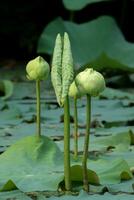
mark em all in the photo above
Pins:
pixel 67 145
pixel 71 18
pixel 75 129
pixel 86 144
pixel 38 108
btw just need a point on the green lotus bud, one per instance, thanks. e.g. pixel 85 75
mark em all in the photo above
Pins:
pixel 73 91
pixel 37 69
pixel 90 82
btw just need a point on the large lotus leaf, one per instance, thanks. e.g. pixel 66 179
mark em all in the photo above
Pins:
pixel 79 4
pixel 99 42
pixel 117 142
pixel 32 164
pixel 128 156
pixel 111 171
pixel 108 171
pixel 36 165
pixel 125 186
pixel 14 195
pixel 84 196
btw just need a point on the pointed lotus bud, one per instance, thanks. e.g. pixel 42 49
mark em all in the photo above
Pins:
pixel 90 82
pixel 73 91
pixel 37 69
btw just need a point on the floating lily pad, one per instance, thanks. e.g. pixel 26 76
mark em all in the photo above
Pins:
pixel 14 195
pixel 114 94
pixel 84 196
pixel 35 165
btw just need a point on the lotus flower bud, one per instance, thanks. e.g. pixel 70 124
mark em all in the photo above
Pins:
pixel 90 82
pixel 37 69
pixel 73 91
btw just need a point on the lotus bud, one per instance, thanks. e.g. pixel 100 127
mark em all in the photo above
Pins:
pixel 73 91
pixel 90 82
pixel 37 69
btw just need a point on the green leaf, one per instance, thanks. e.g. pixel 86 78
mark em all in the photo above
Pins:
pixel 84 196
pixel 117 142
pixel 125 186
pixel 108 171
pixel 110 93
pixel 111 171
pixel 10 116
pixel 110 50
pixel 6 87
pixel 35 165
pixel 79 4
pixel 77 175
pixel 14 195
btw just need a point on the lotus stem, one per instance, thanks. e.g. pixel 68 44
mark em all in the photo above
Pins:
pixel 75 129
pixel 38 108
pixel 86 144
pixel 67 145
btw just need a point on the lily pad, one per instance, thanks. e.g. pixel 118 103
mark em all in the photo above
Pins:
pixel 111 93
pixel 84 196
pixel 35 165
pixel 14 195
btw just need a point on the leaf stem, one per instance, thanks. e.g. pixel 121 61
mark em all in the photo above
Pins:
pixel 72 14
pixel 38 108
pixel 86 144
pixel 75 129
pixel 67 145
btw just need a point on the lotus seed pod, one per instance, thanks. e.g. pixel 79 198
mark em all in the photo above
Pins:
pixel 90 82
pixel 37 69
pixel 73 91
